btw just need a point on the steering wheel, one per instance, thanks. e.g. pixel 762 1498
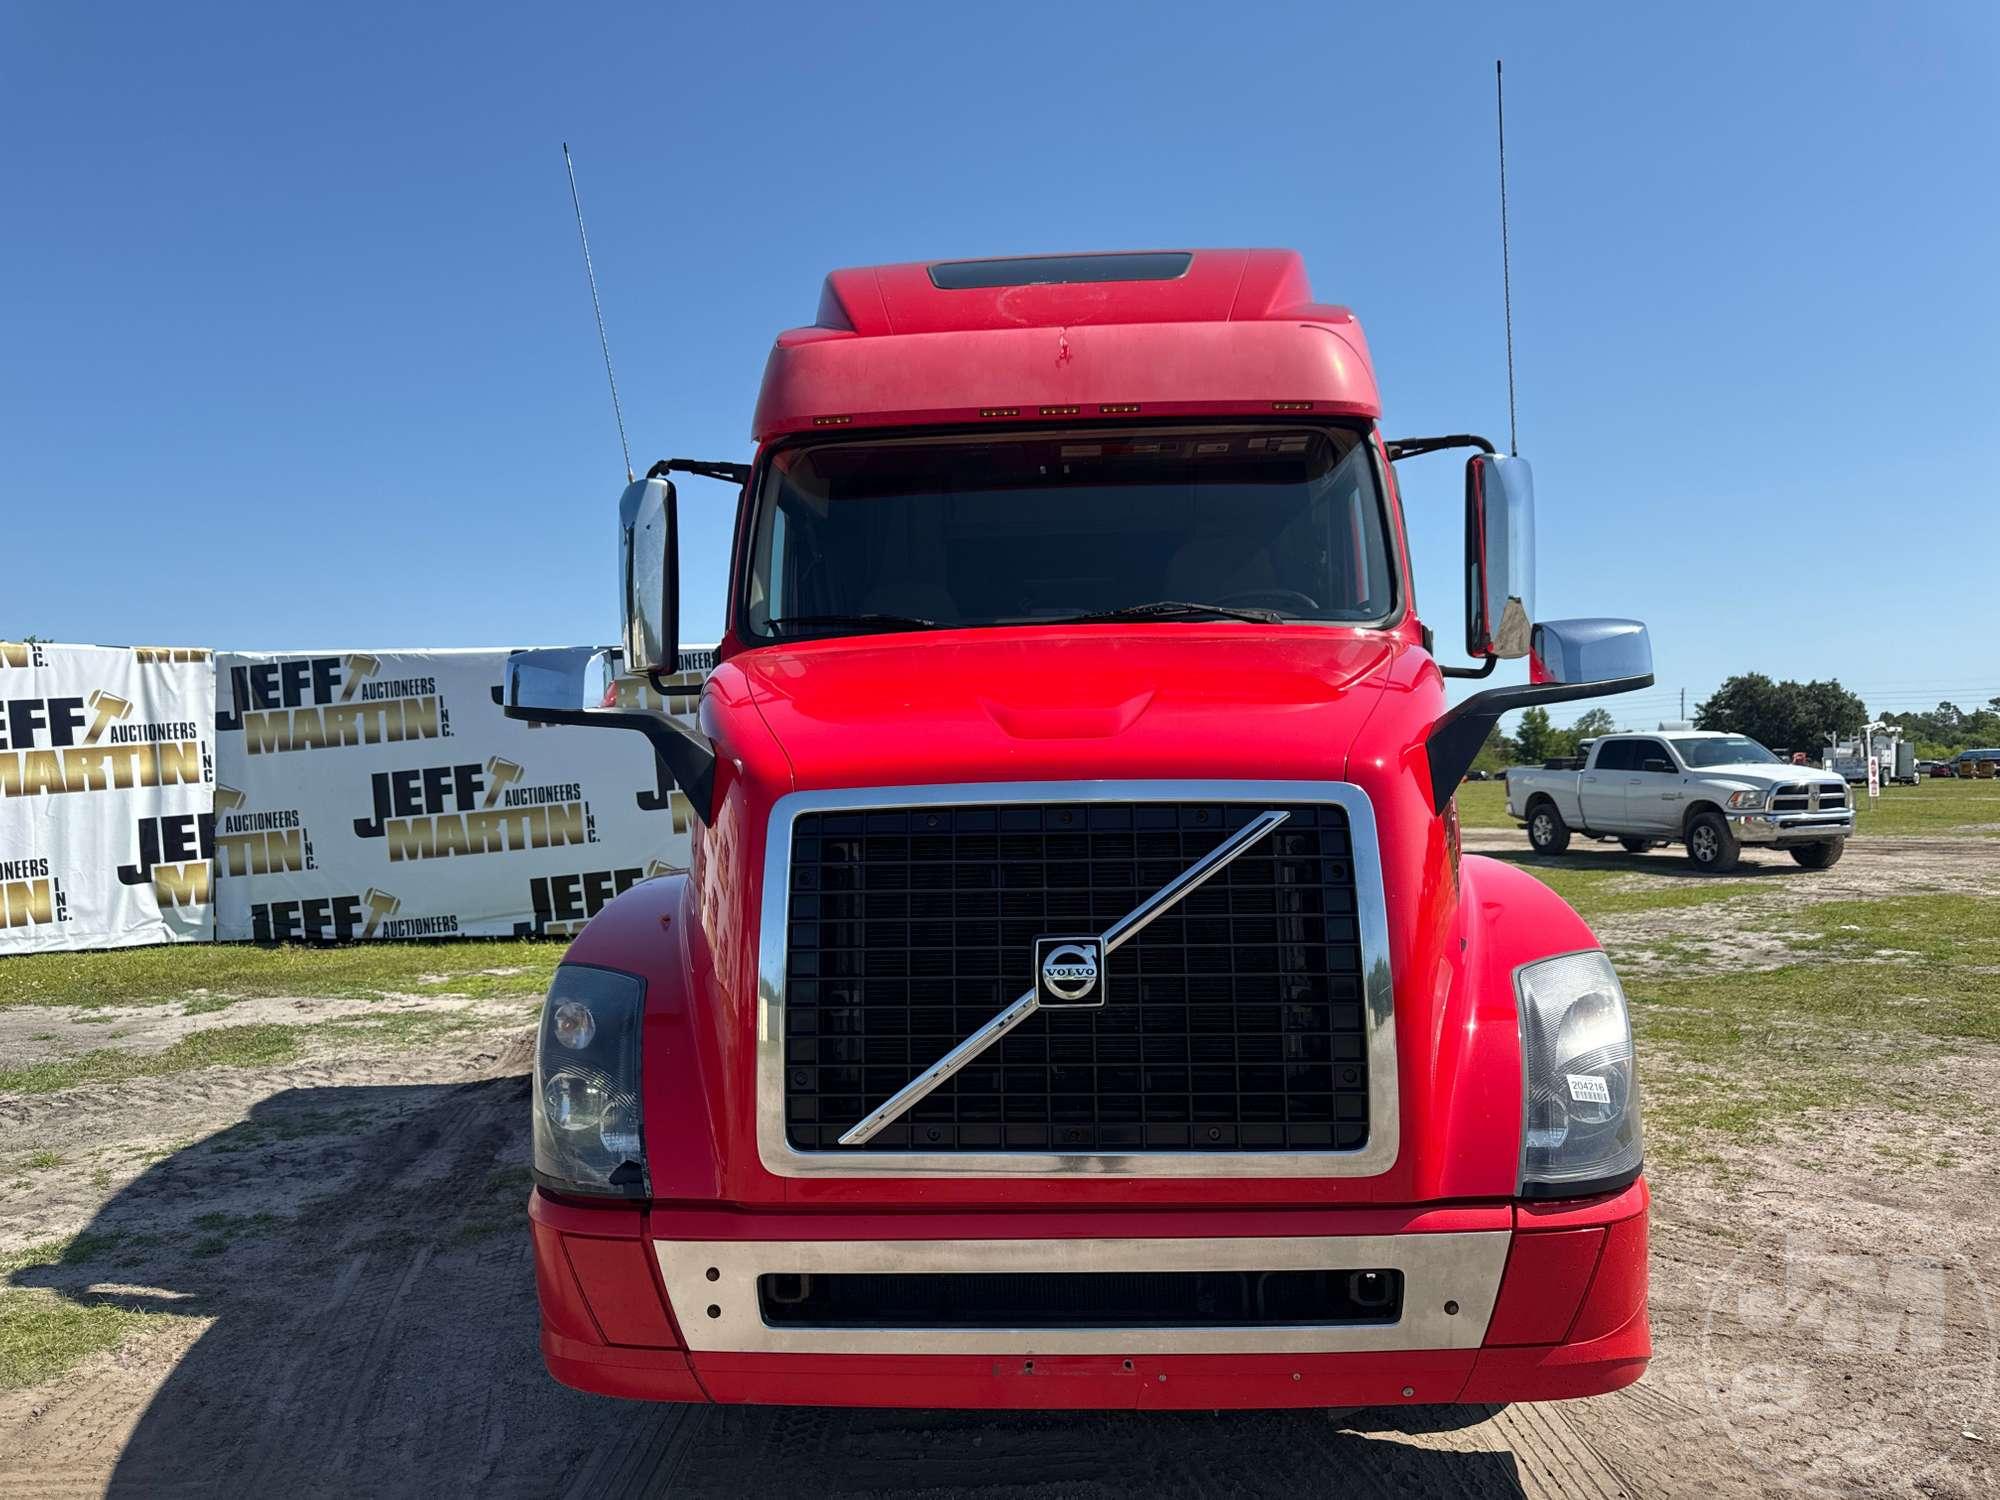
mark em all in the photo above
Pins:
pixel 1290 599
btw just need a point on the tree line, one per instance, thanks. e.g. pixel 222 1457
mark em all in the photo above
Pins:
pixel 1782 716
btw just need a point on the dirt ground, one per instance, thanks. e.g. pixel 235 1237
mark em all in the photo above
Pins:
pixel 334 1257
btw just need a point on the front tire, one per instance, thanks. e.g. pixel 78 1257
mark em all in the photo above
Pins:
pixel 1547 832
pixel 1711 847
pixel 1822 856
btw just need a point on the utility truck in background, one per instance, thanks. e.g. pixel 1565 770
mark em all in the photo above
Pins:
pixel 1895 757
pixel 1078 997
pixel 1712 792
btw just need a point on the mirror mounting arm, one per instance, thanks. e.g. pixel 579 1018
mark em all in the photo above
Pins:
pixel 1403 448
pixel 703 468
pixel 1484 669
pixel 683 754
pixel 1455 739
pixel 1417 447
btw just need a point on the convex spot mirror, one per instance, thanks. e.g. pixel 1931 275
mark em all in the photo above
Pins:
pixel 567 680
pixel 1499 555
pixel 649 570
pixel 1583 652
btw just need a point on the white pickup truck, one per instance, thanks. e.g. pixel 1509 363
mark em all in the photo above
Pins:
pixel 1712 792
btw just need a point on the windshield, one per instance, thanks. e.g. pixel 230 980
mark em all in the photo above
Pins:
pixel 1728 750
pixel 1035 528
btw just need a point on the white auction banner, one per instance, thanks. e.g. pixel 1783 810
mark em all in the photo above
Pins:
pixel 384 795
pixel 107 764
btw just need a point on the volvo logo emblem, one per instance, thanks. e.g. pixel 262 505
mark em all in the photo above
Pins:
pixel 1067 971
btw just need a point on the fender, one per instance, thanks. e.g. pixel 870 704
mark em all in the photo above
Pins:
pixel 647 931
pixel 1505 918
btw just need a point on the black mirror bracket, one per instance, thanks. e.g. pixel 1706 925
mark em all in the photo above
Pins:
pixel 1484 669
pixel 682 754
pixel 1402 448
pixel 1455 739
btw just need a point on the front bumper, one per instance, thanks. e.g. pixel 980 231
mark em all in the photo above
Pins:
pixel 1545 1300
pixel 1787 829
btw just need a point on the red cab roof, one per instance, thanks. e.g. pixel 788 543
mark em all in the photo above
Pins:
pixel 1067 338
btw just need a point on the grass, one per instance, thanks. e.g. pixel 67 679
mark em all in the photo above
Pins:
pixel 223 1046
pixel 500 1207
pixel 218 973
pixel 1890 985
pixel 237 1047
pixel 404 1028
pixel 255 1135
pixel 203 1005
pixel 1483 804
pixel 1949 934
pixel 44 1332
pixel 1605 893
pixel 220 1230
pixel 1931 807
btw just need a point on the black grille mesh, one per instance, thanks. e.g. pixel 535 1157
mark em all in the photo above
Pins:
pixel 1232 1023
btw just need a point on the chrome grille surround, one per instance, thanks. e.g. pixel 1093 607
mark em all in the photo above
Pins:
pixel 782 1159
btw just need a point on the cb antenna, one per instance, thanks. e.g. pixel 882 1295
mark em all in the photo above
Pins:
pixel 1506 270
pixel 597 307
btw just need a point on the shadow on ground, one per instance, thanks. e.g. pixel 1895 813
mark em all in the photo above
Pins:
pixel 1668 863
pixel 374 1333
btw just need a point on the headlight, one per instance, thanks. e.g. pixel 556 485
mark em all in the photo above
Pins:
pixel 586 1101
pixel 1752 797
pixel 1581 1126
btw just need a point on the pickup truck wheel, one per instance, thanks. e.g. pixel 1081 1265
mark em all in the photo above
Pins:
pixel 1820 856
pixel 1712 848
pixel 1547 831
pixel 1636 846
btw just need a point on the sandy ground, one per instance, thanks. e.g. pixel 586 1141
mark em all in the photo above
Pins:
pixel 339 1244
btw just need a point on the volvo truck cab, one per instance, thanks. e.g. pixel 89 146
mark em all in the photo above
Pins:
pixel 1078 996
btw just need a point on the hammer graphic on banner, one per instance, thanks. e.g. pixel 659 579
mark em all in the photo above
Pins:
pixel 107 706
pixel 359 667
pixel 504 773
pixel 380 905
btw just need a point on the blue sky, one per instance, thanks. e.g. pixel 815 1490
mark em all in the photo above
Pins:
pixel 295 346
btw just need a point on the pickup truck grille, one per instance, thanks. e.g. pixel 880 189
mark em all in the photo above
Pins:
pixel 1809 797
pixel 1233 1023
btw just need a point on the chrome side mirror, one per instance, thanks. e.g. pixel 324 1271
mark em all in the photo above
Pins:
pixel 1580 652
pixel 649 570
pixel 1499 555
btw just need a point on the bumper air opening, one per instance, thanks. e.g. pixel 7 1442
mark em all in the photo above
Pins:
pixel 1067 1299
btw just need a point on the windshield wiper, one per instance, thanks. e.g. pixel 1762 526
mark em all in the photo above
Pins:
pixel 872 622
pixel 1172 609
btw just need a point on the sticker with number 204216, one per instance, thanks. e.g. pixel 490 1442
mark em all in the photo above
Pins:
pixel 1586 1089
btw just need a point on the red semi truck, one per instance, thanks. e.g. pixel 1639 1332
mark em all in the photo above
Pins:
pixel 1078 997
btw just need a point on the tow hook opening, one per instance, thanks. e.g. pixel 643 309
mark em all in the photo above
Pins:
pixel 787 1290
pixel 1371 1289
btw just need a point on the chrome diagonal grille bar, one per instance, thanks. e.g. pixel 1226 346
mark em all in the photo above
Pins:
pixel 1111 939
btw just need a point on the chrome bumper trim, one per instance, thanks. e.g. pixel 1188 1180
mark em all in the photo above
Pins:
pixel 780 1158
pixel 721 1314
pixel 1771 828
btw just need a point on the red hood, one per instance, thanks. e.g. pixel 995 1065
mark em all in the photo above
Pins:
pixel 1099 702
